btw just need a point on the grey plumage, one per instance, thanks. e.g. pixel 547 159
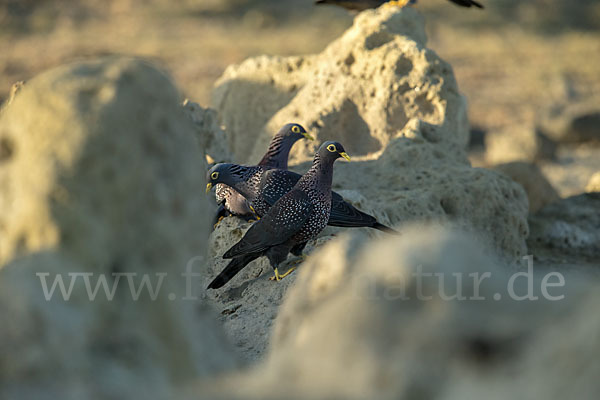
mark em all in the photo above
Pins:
pixel 230 201
pixel 298 216
pixel 361 5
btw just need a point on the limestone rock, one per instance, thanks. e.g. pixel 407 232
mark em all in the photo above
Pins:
pixel 393 103
pixel 594 183
pixel 250 302
pixel 569 226
pixel 363 90
pixel 539 191
pixel 572 123
pixel 99 177
pixel 15 88
pixel 518 143
pixel 414 181
pixel 423 315
pixel 210 135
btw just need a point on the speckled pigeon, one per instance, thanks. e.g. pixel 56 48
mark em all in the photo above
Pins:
pixel 263 188
pixel 300 215
pixel 231 202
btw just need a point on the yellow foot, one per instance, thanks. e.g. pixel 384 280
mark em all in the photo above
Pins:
pixel 278 277
pixel 218 222
pixel 396 3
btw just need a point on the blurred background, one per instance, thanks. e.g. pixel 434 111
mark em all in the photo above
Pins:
pixel 516 61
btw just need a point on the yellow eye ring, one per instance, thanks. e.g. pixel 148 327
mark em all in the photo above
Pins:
pixel 214 175
pixel 295 129
pixel 332 148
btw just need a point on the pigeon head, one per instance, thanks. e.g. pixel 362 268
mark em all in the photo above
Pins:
pixel 228 174
pixel 281 145
pixel 331 151
pixel 294 132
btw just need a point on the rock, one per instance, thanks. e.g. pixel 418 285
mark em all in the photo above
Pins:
pixel 434 189
pixel 250 302
pixel 572 123
pixel 366 88
pixel 393 103
pixel 539 191
pixel 99 177
pixel 594 183
pixel 414 181
pixel 564 355
pixel 210 135
pixel 364 320
pixel 569 227
pixel 15 88
pixel 518 143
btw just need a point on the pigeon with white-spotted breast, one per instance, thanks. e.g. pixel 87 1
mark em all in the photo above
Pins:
pixel 297 217
pixel 263 188
pixel 230 202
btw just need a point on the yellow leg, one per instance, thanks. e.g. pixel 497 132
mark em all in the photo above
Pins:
pixel 278 277
pixel 396 3
pixel 255 214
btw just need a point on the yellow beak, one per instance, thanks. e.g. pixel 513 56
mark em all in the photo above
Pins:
pixel 208 187
pixel 308 136
pixel 346 156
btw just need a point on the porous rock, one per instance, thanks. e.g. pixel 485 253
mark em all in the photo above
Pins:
pixel 414 316
pixel 250 302
pixel 99 177
pixel 414 181
pixel 395 105
pixel 569 227
pixel 572 123
pixel 209 133
pixel 362 90
pixel 593 184
pixel 539 191
pixel 518 143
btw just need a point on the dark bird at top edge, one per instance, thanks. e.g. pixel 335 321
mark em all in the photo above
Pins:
pixel 297 217
pixel 361 5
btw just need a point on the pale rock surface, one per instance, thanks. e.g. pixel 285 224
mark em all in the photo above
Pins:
pixel 395 106
pixel 362 90
pixel 211 136
pixel 414 181
pixel 250 302
pixel 99 175
pixel 518 143
pixel 569 227
pixel 364 321
pixel 593 184
pixel 409 161
pixel 539 191
pixel 573 123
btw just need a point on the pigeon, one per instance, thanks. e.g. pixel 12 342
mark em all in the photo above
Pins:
pixel 231 202
pixel 295 218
